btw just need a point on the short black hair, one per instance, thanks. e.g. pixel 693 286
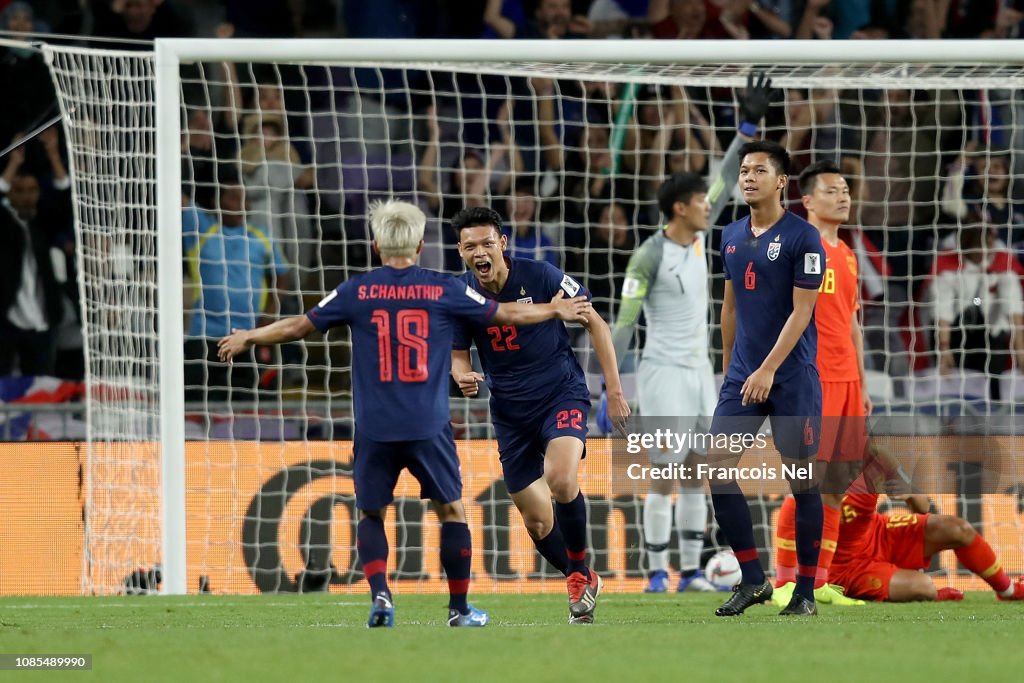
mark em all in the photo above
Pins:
pixel 777 154
pixel 679 188
pixel 809 176
pixel 475 216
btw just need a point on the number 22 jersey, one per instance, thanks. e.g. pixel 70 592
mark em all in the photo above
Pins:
pixel 527 366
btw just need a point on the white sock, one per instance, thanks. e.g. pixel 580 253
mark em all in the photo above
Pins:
pixel 657 530
pixel 691 522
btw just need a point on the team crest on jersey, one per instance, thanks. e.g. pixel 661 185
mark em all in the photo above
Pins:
pixel 522 291
pixel 570 286
pixel 774 249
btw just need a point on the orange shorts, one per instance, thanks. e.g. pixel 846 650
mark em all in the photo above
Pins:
pixel 843 424
pixel 898 544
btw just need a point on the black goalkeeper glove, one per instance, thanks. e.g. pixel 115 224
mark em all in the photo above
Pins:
pixel 755 102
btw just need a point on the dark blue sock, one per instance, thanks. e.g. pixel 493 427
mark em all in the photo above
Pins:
pixel 552 548
pixel 733 515
pixel 809 520
pixel 456 560
pixel 372 545
pixel 572 518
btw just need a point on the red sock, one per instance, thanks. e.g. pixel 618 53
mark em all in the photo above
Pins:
pixel 979 557
pixel 829 538
pixel 785 543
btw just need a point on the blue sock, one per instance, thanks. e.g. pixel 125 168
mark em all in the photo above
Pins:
pixel 572 518
pixel 372 545
pixel 552 548
pixel 733 515
pixel 809 520
pixel 456 560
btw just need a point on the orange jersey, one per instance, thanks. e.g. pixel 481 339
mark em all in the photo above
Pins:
pixel 837 301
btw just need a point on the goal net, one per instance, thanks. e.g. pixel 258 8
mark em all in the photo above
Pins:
pixel 238 478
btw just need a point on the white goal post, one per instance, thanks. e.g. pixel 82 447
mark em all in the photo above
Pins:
pixel 931 65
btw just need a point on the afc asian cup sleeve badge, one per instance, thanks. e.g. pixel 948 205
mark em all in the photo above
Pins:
pixel 774 249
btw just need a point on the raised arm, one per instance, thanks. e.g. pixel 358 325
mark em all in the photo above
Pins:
pixel 429 171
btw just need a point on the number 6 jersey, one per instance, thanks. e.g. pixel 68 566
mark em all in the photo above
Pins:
pixel 763 271
pixel 402 321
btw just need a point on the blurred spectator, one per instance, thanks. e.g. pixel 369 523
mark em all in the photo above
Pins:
pixel 670 135
pixel 687 19
pixel 979 183
pixel 526 239
pixel 909 133
pixel 237 268
pixel 29 98
pixel 141 20
pixel 615 18
pixel 878 19
pixel 979 308
pixel 199 155
pixel 271 173
pixel 610 246
pixel 30 296
pixel 970 18
pixel 538 19
pixel 767 18
pixel 264 18
pixel 470 179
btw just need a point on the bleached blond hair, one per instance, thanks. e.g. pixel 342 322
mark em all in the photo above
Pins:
pixel 397 227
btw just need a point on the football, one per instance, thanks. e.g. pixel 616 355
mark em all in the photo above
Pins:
pixel 723 570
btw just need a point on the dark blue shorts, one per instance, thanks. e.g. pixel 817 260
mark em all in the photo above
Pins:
pixel 793 406
pixel 523 440
pixel 377 464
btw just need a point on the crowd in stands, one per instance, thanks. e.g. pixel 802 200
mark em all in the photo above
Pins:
pixel 267 159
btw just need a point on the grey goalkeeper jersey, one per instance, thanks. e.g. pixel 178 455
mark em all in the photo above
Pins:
pixel 669 282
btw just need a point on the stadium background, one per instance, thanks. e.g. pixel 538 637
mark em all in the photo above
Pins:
pixel 366 135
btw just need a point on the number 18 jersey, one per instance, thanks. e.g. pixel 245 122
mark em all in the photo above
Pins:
pixel 402 322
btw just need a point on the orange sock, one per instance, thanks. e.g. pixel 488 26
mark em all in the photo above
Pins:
pixel 979 557
pixel 829 537
pixel 785 543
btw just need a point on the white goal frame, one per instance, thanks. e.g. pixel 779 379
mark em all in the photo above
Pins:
pixel 170 54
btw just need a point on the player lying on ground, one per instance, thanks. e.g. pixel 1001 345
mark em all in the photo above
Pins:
pixel 402 319
pixel 539 398
pixel 879 556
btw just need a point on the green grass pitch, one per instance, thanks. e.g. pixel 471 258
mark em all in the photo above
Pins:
pixel 637 638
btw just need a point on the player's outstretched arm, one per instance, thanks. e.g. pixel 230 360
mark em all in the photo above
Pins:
pixel 757 386
pixel 601 337
pixel 285 330
pixel 570 310
pixel 463 373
